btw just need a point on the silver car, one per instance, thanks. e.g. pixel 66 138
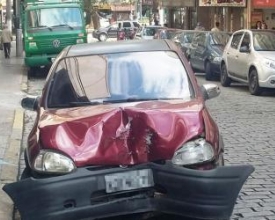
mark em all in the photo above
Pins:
pixel 249 57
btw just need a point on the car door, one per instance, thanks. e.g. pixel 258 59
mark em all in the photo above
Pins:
pixel 242 58
pixel 112 32
pixel 231 53
pixel 198 51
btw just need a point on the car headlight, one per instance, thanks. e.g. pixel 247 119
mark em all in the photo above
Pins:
pixel 269 63
pixel 79 41
pixel 217 59
pixel 51 162
pixel 193 152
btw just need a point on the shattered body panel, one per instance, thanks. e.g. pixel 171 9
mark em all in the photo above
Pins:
pixel 202 194
pixel 127 135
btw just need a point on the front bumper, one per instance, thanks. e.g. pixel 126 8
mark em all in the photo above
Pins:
pixel 207 194
pixel 39 60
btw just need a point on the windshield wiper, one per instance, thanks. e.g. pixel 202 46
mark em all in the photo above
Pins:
pixel 45 26
pixel 136 100
pixel 63 25
pixel 77 104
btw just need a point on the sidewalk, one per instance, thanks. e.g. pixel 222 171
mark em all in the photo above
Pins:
pixel 13 83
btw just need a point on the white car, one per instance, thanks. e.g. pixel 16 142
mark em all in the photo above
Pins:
pixel 148 32
pixel 249 57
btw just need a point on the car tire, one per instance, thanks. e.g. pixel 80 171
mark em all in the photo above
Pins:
pixel 224 78
pixel 253 83
pixel 27 171
pixel 102 37
pixel 208 72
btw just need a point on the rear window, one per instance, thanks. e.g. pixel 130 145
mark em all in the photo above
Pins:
pixel 126 24
pixel 136 24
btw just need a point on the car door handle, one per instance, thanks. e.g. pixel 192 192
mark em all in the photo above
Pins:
pixel 227 53
pixel 237 56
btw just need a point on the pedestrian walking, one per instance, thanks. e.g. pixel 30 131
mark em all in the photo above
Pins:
pixel 6 39
pixel 217 27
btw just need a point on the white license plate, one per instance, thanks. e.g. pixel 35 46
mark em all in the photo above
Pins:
pixel 129 180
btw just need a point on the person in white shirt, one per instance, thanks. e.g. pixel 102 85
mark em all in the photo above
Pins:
pixel 217 27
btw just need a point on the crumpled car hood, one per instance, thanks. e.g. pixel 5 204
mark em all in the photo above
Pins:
pixel 121 134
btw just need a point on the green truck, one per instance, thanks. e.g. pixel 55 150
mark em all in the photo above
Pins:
pixel 49 26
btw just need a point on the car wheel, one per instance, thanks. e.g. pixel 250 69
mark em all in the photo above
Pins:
pixel 254 87
pixel 208 72
pixel 27 171
pixel 225 80
pixel 102 37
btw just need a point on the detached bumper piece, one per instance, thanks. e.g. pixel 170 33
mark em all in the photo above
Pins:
pixel 85 193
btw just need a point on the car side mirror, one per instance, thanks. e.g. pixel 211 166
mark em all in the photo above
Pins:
pixel 210 91
pixel 244 49
pixel 30 103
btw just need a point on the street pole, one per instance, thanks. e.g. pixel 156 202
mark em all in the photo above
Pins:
pixel 8 14
pixel 19 40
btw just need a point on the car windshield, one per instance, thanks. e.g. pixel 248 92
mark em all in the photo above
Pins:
pixel 149 31
pixel 219 38
pixel 54 17
pixel 171 33
pixel 120 77
pixel 264 41
pixel 184 37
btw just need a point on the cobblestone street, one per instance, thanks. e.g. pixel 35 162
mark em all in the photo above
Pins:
pixel 247 125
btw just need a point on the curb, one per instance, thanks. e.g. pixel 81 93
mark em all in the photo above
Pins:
pixel 9 173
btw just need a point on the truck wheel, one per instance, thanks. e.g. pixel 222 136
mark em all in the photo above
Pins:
pixel 102 37
pixel 31 72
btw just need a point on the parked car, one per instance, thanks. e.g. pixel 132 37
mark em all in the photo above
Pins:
pixel 117 133
pixel 205 52
pixel 184 38
pixel 111 31
pixel 148 32
pixel 166 33
pixel 249 57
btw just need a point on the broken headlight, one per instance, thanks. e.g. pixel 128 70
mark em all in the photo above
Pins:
pixel 52 162
pixel 193 152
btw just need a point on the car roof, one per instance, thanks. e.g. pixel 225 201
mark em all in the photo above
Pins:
pixel 118 47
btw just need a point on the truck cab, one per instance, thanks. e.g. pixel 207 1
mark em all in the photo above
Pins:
pixel 48 27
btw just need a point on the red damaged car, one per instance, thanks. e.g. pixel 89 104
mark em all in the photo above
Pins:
pixel 122 128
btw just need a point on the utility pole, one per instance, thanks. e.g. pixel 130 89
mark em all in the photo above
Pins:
pixel 19 41
pixel 8 14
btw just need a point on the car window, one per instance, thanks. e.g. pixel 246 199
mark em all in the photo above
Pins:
pixel 187 38
pixel 136 24
pixel 219 38
pixel 126 24
pixel 119 76
pixel 199 39
pixel 236 40
pixel 246 40
pixel 264 41
pixel 149 31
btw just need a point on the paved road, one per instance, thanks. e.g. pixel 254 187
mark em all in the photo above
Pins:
pixel 247 125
